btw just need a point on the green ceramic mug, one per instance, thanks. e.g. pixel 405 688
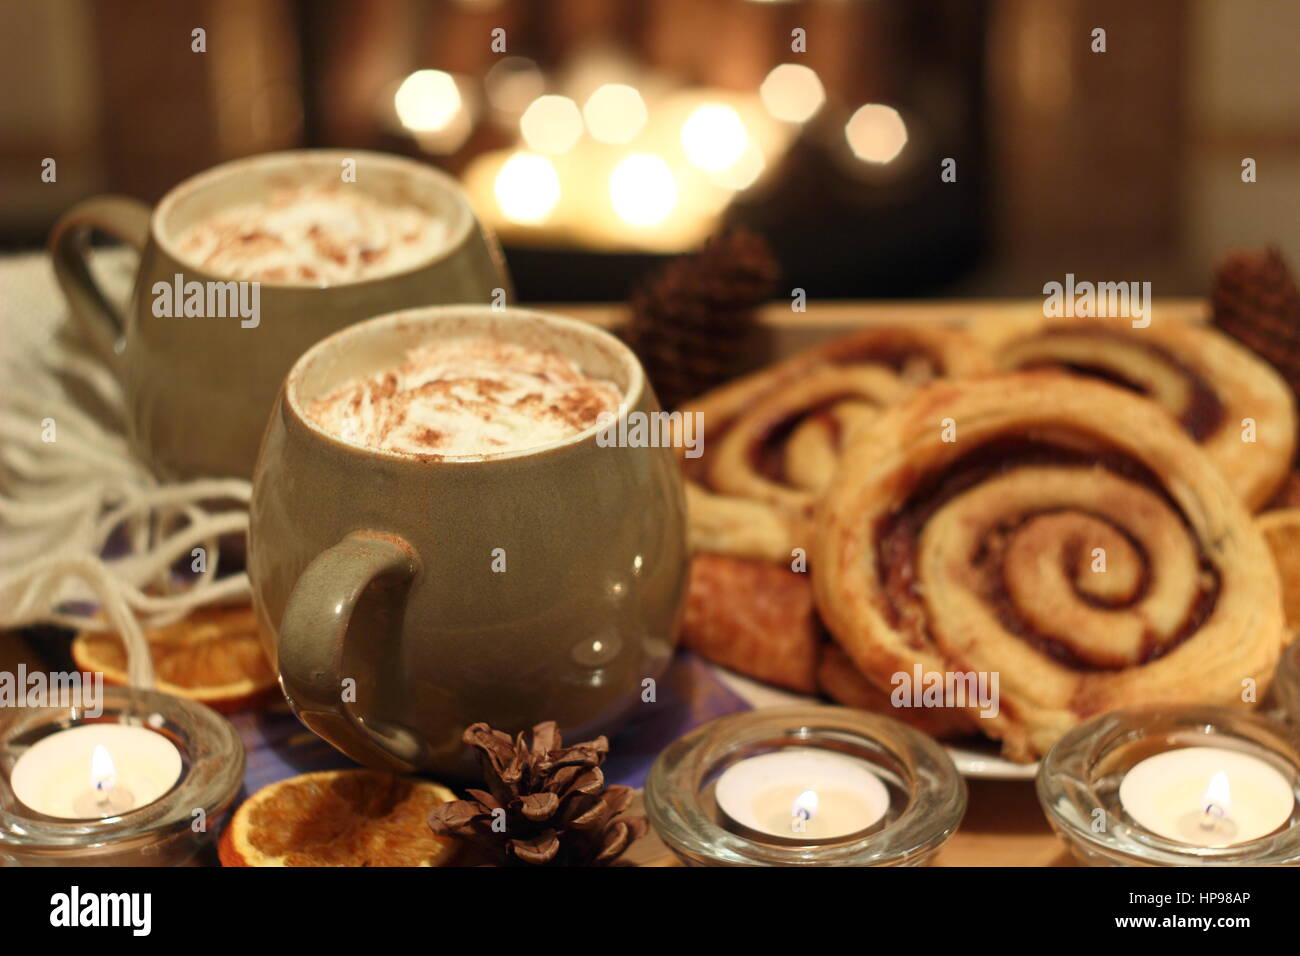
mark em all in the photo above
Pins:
pixel 377 575
pixel 198 390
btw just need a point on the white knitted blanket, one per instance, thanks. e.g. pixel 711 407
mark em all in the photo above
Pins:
pixel 88 537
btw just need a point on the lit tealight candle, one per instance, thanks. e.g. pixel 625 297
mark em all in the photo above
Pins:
pixel 1207 796
pixel 802 794
pixel 96 770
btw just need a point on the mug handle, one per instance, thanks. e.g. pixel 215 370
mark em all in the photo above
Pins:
pixel 314 631
pixel 101 323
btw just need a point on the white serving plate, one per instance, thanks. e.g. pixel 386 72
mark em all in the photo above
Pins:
pixel 978 761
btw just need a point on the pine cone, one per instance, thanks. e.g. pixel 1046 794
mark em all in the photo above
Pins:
pixel 693 322
pixel 557 809
pixel 1255 301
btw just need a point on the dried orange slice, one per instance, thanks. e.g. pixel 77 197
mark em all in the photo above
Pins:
pixel 213 656
pixel 1281 529
pixel 339 818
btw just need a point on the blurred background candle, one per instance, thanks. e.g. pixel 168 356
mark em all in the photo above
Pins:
pixel 1207 796
pixel 802 794
pixel 96 770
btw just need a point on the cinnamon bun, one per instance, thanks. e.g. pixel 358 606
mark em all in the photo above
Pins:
pixel 773 438
pixel 755 618
pixel 1056 532
pixel 1226 399
pixel 772 442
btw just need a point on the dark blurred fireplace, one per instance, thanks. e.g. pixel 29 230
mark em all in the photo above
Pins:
pixel 843 226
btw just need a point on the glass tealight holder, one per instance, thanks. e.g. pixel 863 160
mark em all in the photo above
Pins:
pixel 178 828
pixel 926 796
pixel 1286 683
pixel 1079 785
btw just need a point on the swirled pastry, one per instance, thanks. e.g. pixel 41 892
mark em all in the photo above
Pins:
pixel 1208 382
pixel 844 683
pixel 755 618
pixel 1055 532
pixel 773 438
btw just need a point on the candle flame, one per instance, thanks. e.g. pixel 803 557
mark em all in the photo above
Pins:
pixel 1217 799
pixel 805 805
pixel 103 772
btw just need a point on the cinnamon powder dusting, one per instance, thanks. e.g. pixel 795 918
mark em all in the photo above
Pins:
pixel 467 397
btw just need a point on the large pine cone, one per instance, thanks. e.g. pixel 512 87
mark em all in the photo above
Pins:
pixel 1255 300
pixel 547 804
pixel 692 323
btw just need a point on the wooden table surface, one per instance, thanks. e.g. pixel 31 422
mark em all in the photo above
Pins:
pixel 1004 826
pixel 795 330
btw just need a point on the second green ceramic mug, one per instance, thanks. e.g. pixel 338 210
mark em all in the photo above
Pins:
pixel 405 597
pixel 198 389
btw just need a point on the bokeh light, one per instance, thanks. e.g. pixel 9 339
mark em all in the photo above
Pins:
pixel 714 136
pixel 551 124
pixel 615 113
pixel 792 92
pixel 643 189
pixel 527 188
pixel 427 101
pixel 876 133
pixel 513 83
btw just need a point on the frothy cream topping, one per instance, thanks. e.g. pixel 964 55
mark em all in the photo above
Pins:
pixel 467 397
pixel 314 235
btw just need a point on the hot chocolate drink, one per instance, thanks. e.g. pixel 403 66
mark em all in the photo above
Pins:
pixel 314 235
pixel 471 397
